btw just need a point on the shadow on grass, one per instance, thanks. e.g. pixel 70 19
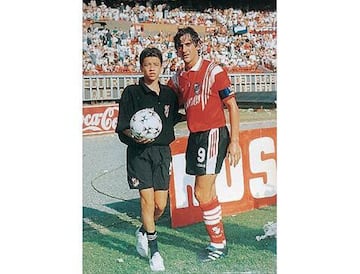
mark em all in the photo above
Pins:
pixel 100 227
pixel 126 217
pixel 125 220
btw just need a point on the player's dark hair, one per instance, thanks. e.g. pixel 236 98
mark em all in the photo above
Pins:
pixel 188 30
pixel 150 52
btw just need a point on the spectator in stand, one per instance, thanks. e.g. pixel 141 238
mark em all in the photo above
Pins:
pixel 258 50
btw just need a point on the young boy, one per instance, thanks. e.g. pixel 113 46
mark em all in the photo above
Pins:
pixel 149 161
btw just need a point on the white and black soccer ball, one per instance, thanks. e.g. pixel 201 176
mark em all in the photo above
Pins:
pixel 146 123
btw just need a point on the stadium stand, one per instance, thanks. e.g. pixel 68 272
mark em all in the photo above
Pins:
pixel 242 42
pixel 112 40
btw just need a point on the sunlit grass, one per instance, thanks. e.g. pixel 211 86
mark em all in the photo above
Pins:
pixel 109 244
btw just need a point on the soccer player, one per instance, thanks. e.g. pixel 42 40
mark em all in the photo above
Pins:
pixel 149 161
pixel 203 88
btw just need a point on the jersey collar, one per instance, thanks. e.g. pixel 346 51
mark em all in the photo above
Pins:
pixel 145 87
pixel 197 66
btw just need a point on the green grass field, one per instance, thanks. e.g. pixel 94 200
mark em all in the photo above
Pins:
pixel 109 243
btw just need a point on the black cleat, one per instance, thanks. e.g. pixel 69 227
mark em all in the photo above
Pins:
pixel 213 254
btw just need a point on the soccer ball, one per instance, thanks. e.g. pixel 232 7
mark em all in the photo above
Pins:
pixel 146 123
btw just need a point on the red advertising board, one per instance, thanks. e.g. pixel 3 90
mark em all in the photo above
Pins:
pixel 100 119
pixel 251 184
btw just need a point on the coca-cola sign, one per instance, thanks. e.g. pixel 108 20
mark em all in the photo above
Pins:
pixel 100 119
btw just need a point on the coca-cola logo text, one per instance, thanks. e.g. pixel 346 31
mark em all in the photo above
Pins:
pixel 100 119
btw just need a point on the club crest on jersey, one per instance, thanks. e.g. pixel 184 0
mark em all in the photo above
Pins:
pixel 166 110
pixel 197 88
pixel 135 181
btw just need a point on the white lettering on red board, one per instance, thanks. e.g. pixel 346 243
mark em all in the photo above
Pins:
pixel 101 121
pixel 235 191
pixel 259 188
pixel 230 189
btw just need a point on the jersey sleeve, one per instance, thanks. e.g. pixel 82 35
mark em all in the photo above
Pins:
pixel 223 85
pixel 173 83
pixel 125 108
pixel 124 111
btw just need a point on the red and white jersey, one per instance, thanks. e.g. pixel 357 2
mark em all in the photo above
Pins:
pixel 199 91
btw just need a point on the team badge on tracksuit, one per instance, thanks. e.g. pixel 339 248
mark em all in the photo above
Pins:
pixel 197 88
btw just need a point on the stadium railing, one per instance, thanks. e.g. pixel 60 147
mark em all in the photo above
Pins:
pixel 97 88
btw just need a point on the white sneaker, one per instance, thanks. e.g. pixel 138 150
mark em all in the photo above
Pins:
pixel 142 246
pixel 157 262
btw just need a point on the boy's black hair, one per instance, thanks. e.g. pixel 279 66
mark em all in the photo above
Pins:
pixel 150 52
pixel 188 30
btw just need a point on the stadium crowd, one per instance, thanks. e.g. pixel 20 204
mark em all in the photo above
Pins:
pixel 237 40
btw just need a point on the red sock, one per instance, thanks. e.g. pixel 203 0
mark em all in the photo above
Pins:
pixel 212 216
